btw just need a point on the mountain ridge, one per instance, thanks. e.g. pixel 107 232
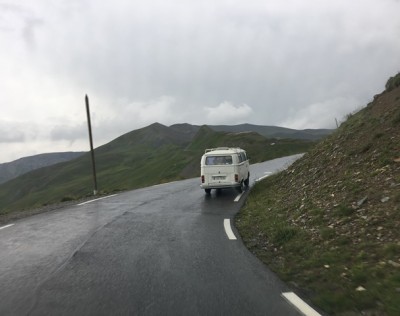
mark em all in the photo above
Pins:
pixel 157 134
pixel 147 156
pixel 276 131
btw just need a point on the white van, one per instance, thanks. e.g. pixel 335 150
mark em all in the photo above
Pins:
pixel 224 167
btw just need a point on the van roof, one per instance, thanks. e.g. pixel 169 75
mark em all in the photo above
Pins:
pixel 223 150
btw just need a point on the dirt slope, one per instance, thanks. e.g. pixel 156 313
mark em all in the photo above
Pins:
pixel 330 224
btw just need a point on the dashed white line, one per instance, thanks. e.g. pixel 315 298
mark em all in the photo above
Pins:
pixel 228 229
pixel 9 225
pixel 297 302
pixel 104 197
pixel 238 197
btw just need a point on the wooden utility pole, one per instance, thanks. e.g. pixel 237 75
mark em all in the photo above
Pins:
pixel 91 145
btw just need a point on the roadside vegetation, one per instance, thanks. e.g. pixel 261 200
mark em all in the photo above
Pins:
pixel 329 225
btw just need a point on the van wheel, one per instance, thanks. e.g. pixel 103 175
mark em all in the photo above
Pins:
pixel 247 181
pixel 208 191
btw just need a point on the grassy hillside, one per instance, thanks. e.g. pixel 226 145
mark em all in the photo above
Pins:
pixel 330 224
pixel 13 169
pixel 147 156
pixel 186 133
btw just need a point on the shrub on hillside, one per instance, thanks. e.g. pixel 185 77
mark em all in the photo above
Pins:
pixel 393 82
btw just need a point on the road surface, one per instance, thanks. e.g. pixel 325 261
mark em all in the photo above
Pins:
pixel 164 250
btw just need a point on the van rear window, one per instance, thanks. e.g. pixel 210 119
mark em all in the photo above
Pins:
pixel 219 160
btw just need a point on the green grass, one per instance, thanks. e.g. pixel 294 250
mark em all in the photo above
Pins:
pixel 308 225
pixel 328 267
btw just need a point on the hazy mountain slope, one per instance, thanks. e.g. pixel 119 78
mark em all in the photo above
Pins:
pixel 157 133
pixel 275 131
pixel 20 166
pixel 187 129
pixel 266 131
pixel 329 224
pixel 143 157
pixel 258 147
pixel 154 135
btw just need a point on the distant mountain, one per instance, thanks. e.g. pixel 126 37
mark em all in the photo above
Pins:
pixel 275 131
pixel 266 131
pixel 156 134
pixel 20 166
pixel 143 157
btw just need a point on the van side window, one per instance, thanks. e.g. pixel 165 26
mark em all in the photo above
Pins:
pixel 228 160
pixel 239 158
pixel 244 156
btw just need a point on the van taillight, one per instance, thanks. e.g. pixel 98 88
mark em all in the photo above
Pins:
pixel 202 179
pixel 236 178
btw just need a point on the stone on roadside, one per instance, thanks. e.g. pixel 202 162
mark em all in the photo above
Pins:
pixel 394 264
pixel 362 201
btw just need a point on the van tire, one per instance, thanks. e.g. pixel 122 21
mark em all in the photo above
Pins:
pixel 208 191
pixel 247 181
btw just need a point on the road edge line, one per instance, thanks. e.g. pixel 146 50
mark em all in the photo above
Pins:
pixel 263 177
pixel 102 198
pixel 9 225
pixel 228 229
pixel 299 304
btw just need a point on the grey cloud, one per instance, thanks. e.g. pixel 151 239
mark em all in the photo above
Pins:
pixel 68 132
pixel 11 136
pixel 17 131
pixel 208 55
pixel 228 113
pixel 28 32
pixel 11 7
pixel 208 63
pixel 21 19
pixel 267 62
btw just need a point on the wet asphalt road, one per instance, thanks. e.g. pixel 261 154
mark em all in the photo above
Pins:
pixel 161 250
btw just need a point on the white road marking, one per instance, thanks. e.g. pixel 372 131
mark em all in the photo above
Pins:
pixel 228 229
pixel 9 225
pixel 267 174
pixel 238 197
pixel 104 197
pixel 160 184
pixel 303 307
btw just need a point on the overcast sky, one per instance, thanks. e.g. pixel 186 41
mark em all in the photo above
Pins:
pixel 292 63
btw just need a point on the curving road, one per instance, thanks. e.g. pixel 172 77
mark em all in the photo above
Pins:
pixel 162 250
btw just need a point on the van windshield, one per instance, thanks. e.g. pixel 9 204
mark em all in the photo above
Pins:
pixel 219 160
